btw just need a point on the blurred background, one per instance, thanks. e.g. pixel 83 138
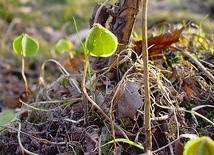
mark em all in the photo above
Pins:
pixel 50 20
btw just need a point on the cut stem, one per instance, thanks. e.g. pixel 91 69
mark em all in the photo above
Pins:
pixel 147 121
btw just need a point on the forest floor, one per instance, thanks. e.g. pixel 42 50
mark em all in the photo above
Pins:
pixel 55 122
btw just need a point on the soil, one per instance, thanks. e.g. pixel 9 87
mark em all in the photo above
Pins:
pixel 62 124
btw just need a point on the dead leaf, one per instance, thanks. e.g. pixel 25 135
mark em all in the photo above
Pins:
pixel 13 102
pixel 159 43
pixel 187 90
pixel 75 63
pixel 129 101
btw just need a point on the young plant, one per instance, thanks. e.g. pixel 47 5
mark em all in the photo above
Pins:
pixel 64 45
pixel 100 42
pixel 25 46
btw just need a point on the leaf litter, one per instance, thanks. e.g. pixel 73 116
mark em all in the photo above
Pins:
pixel 176 87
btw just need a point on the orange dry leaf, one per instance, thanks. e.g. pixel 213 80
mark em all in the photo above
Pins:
pixel 187 90
pixel 159 43
pixel 74 63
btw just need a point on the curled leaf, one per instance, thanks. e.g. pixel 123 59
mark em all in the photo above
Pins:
pixel 101 42
pixel 159 43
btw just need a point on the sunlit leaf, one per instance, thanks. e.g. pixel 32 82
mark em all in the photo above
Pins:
pixel 101 42
pixel 199 146
pixel 25 45
pixel 17 45
pixel 63 45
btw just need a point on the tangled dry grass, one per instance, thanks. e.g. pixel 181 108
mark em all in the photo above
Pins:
pixel 55 122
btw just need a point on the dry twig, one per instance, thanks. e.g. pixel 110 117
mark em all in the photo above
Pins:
pixel 147 121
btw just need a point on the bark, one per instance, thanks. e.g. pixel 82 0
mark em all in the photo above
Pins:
pixel 102 16
pixel 122 25
pixel 125 14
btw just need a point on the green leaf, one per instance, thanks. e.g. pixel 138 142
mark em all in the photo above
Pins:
pixel 199 146
pixel 123 140
pixel 6 117
pixel 63 45
pixel 101 42
pixel 17 45
pixel 25 45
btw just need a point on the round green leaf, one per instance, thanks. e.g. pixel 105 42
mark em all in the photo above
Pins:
pixel 25 45
pixel 6 117
pixel 101 42
pixel 199 146
pixel 17 45
pixel 63 45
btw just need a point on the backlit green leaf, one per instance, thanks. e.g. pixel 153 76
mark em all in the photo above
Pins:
pixel 199 146
pixel 25 45
pixel 63 45
pixel 17 45
pixel 101 42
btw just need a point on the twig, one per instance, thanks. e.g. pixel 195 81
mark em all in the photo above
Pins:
pixel 20 143
pixel 162 118
pixel 165 146
pixel 94 103
pixel 147 121
pixel 211 65
pixel 63 70
pixel 113 98
pixel 99 10
pixel 41 140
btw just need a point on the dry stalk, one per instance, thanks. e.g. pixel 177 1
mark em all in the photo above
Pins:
pixel 99 11
pixel 147 121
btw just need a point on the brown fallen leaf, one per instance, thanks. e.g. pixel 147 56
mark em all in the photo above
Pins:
pixel 13 102
pixel 75 63
pixel 129 101
pixel 159 43
pixel 187 90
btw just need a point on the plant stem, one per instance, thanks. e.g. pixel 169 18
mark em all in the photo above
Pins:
pixel 23 76
pixel 95 104
pixel 147 121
